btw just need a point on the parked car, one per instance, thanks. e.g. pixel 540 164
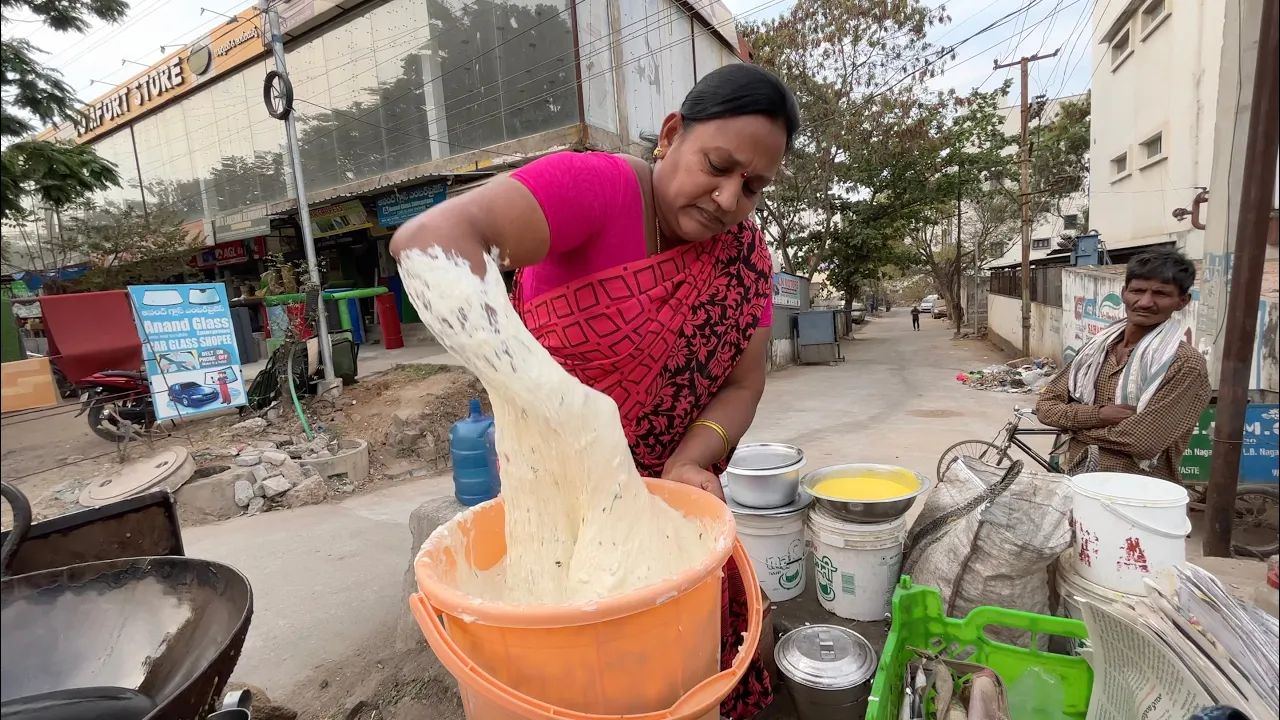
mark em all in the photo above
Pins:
pixel 858 313
pixel 926 305
pixel 191 394
pixel 939 309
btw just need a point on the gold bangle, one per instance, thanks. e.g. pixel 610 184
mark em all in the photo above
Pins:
pixel 724 436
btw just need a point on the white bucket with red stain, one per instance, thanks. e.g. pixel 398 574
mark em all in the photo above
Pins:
pixel 1126 528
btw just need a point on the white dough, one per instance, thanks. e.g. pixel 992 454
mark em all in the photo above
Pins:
pixel 581 525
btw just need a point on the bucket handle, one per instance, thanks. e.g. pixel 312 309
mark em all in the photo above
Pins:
pixel 1111 508
pixel 704 696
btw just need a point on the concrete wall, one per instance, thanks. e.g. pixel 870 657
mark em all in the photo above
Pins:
pixel 657 50
pixel 1004 327
pixel 1091 301
pixel 1167 83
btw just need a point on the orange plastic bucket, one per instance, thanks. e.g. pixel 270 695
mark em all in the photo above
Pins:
pixel 650 654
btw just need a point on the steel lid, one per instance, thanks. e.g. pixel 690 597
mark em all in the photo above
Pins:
pixel 826 657
pixel 765 457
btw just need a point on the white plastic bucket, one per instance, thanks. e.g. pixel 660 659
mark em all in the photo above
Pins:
pixel 776 546
pixel 1128 527
pixel 1074 588
pixel 855 566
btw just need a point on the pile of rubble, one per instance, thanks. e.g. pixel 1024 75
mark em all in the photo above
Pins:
pixel 1024 375
pixel 277 471
pixel 274 471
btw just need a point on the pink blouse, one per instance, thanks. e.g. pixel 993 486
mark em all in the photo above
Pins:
pixel 595 211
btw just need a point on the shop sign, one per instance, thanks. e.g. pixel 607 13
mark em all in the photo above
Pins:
pixel 227 253
pixel 786 290
pixel 241 226
pixel 399 207
pixel 340 218
pixel 225 48
pixel 1259 452
pixel 150 86
pixel 231 44
pixel 189 348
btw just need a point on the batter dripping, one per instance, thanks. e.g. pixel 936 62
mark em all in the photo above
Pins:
pixel 581 524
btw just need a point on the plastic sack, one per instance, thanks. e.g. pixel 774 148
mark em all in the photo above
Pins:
pixel 987 536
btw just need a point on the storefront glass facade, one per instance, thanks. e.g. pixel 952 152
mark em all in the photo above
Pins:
pixel 427 79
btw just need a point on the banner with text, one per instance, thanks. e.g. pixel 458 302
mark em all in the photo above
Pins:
pixel 398 208
pixel 189 347
pixel 786 290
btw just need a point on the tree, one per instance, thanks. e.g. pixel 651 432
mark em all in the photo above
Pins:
pixel 127 247
pixel 969 166
pixel 856 68
pixel 122 245
pixel 1060 159
pixel 52 173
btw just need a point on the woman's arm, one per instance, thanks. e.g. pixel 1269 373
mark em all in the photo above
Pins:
pixel 503 214
pixel 551 205
pixel 733 408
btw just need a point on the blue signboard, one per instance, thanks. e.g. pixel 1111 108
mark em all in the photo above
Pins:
pixel 1259 453
pixel 189 347
pixel 402 206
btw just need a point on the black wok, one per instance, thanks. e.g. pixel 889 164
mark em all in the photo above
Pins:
pixel 152 638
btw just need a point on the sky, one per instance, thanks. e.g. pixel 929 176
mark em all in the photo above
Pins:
pixel 108 55
pixel 1048 25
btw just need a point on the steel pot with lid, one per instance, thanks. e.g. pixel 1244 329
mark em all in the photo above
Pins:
pixel 828 671
pixel 764 475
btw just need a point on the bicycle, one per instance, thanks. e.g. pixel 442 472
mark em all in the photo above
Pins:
pixel 1256 528
pixel 996 451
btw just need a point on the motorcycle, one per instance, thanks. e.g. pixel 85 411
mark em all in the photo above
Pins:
pixel 118 404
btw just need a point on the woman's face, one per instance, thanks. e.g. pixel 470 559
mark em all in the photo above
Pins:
pixel 709 176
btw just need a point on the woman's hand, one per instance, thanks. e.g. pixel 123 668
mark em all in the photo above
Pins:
pixel 688 473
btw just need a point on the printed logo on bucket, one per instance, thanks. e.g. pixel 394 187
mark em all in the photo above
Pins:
pixel 826 572
pixel 788 568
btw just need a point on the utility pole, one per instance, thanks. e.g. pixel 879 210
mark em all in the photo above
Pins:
pixel 1024 195
pixel 1246 282
pixel 300 190
pixel 959 264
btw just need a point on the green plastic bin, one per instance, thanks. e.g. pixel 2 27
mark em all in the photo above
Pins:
pixel 919 622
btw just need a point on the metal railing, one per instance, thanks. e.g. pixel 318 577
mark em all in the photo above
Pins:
pixel 1046 284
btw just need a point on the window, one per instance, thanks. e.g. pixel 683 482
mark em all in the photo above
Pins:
pixel 1070 222
pixel 1152 16
pixel 1121 49
pixel 1154 147
pixel 1040 244
pixel 1152 150
pixel 1120 166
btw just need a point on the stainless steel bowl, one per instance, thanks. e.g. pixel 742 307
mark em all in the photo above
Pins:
pixel 865 511
pixel 764 475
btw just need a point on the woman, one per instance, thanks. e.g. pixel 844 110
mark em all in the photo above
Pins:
pixel 649 282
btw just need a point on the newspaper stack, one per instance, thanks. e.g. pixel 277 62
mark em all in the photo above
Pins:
pixel 1172 655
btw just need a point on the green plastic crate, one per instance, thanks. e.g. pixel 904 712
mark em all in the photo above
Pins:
pixel 919 622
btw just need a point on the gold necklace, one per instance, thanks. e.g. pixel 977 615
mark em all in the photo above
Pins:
pixel 657 229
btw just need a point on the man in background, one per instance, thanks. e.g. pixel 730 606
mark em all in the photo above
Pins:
pixel 1131 397
pixel 915 317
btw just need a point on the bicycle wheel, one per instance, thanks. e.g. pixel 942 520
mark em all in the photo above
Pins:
pixel 981 450
pixel 1257 525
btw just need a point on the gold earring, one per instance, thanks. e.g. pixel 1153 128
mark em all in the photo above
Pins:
pixel 657 153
